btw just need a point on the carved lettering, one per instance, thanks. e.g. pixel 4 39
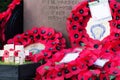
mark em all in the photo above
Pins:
pixel 58 10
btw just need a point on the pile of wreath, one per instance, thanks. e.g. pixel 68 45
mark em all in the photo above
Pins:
pixel 84 67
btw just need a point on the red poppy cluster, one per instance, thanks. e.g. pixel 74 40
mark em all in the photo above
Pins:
pixel 4 17
pixel 78 19
pixel 84 67
pixel 52 40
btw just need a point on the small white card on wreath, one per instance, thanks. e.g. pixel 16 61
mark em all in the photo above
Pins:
pixel 8 46
pixel 35 48
pixel 100 10
pixel 70 57
pixel 98 31
pixel 101 62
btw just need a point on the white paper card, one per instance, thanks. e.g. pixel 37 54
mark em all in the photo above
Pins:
pixel 101 62
pixel 35 48
pixel 6 60
pixel 17 60
pixel 22 60
pixel 19 47
pixel 69 57
pixel 98 31
pixel 27 52
pixel 1 53
pixel 8 46
pixel 100 11
pixel 11 59
pixel 21 54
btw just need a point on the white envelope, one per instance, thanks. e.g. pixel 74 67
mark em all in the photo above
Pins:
pixel 1 53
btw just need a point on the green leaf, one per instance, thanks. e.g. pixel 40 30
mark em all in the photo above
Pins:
pixel 57 63
pixel 118 67
pixel 46 67
pixel 112 77
pixel 82 44
pixel 3 63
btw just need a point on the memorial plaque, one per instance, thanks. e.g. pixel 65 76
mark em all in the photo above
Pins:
pixel 51 13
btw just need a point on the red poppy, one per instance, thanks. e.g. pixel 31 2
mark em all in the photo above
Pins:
pixel 81 8
pixel 117 78
pixel 16 53
pixel 38 77
pixel 74 77
pixel 114 71
pixel 43 69
pixel 114 4
pixel 88 57
pixel 73 69
pixel 58 56
pixel 104 76
pixel 86 75
pixel 6 54
pixel 36 57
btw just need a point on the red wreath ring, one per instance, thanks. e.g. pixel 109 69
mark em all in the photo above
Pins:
pixel 52 40
pixel 77 22
pixel 4 17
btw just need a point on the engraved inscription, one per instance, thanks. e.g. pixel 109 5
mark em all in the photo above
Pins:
pixel 58 10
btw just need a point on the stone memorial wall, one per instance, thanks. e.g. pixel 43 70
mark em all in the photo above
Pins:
pixel 51 13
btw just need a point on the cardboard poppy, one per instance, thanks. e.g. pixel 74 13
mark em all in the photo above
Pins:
pixel 78 21
pixel 4 17
pixel 42 42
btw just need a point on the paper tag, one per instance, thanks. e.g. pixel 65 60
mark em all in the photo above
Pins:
pixel 101 62
pixel 6 60
pixel 19 47
pixel 22 60
pixel 8 46
pixel 27 52
pixel 100 11
pixel 98 31
pixel 1 53
pixel 69 57
pixel 21 54
pixel 17 60
pixel 11 59
pixel 35 48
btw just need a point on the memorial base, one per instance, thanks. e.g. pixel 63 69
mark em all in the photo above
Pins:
pixel 18 72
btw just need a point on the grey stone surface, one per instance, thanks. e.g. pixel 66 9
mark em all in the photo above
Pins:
pixel 50 13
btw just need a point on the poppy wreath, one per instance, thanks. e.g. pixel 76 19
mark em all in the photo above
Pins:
pixel 4 17
pixel 83 67
pixel 52 40
pixel 77 22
